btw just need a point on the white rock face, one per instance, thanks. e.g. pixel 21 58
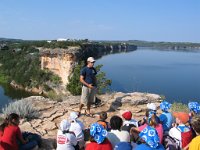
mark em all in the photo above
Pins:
pixel 59 61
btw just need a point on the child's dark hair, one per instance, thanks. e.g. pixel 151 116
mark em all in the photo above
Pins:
pixel 103 116
pixel 4 124
pixel 8 120
pixel 116 122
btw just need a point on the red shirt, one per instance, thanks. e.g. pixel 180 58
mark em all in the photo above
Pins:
pixel 106 145
pixel 9 139
pixel 1 134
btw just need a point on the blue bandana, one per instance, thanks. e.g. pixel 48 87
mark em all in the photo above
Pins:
pixel 150 136
pixel 165 106
pixel 98 132
pixel 194 106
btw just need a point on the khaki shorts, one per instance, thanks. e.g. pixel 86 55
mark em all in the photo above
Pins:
pixel 88 95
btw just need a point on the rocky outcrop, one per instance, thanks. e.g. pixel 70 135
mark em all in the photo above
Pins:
pixel 52 112
pixel 62 61
pixel 38 90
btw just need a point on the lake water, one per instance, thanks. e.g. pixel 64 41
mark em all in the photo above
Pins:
pixel 174 74
pixel 8 94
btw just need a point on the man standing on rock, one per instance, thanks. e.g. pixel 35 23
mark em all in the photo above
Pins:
pixel 89 88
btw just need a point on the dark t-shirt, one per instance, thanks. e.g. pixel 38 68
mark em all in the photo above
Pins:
pixel 127 127
pixel 89 75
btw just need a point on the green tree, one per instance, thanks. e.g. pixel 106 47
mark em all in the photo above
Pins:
pixel 74 86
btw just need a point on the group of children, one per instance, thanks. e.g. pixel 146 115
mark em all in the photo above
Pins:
pixel 171 131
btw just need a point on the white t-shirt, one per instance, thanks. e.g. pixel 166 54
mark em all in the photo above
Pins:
pixel 77 127
pixel 65 141
pixel 116 136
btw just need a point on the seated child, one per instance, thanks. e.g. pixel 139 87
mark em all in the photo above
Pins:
pixel 102 120
pixel 194 108
pixel 128 121
pixel 116 135
pixel 181 132
pixel 65 138
pixel 77 127
pixel 153 122
pixel 195 144
pixel 150 107
pixel 98 140
pixel 11 135
pixel 150 140
pixel 166 117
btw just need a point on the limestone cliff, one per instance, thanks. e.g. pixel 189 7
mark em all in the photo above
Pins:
pixel 59 61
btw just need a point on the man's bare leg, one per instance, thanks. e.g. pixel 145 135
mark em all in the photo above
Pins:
pixel 88 108
pixel 80 108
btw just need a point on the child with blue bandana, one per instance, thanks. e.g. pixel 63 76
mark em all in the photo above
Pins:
pixel 153 122
pixel 166 117
pixel 98 140
pixel 150 139
pixel 194 108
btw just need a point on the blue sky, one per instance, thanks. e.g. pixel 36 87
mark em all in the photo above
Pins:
pixel 152 20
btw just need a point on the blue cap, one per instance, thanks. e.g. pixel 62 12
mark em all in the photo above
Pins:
pixel 123 146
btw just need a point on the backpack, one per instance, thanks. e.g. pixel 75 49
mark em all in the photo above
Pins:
pixel 175 144
pixel 171 143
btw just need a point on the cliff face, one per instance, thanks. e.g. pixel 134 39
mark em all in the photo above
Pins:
pixel 59 61
pixel 63 61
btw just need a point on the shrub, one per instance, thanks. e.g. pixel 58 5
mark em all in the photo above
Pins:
pixel 23 108
pixel 24 68
pixel 74 86
pixel 52 95
pixel 179 107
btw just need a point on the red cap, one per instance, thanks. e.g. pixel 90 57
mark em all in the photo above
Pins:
pixel 127 115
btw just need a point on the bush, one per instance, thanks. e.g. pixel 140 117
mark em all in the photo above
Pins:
pixel 74 86
pixel 52 95
pixel 179 107
pixel 24 68
pixel 23 108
